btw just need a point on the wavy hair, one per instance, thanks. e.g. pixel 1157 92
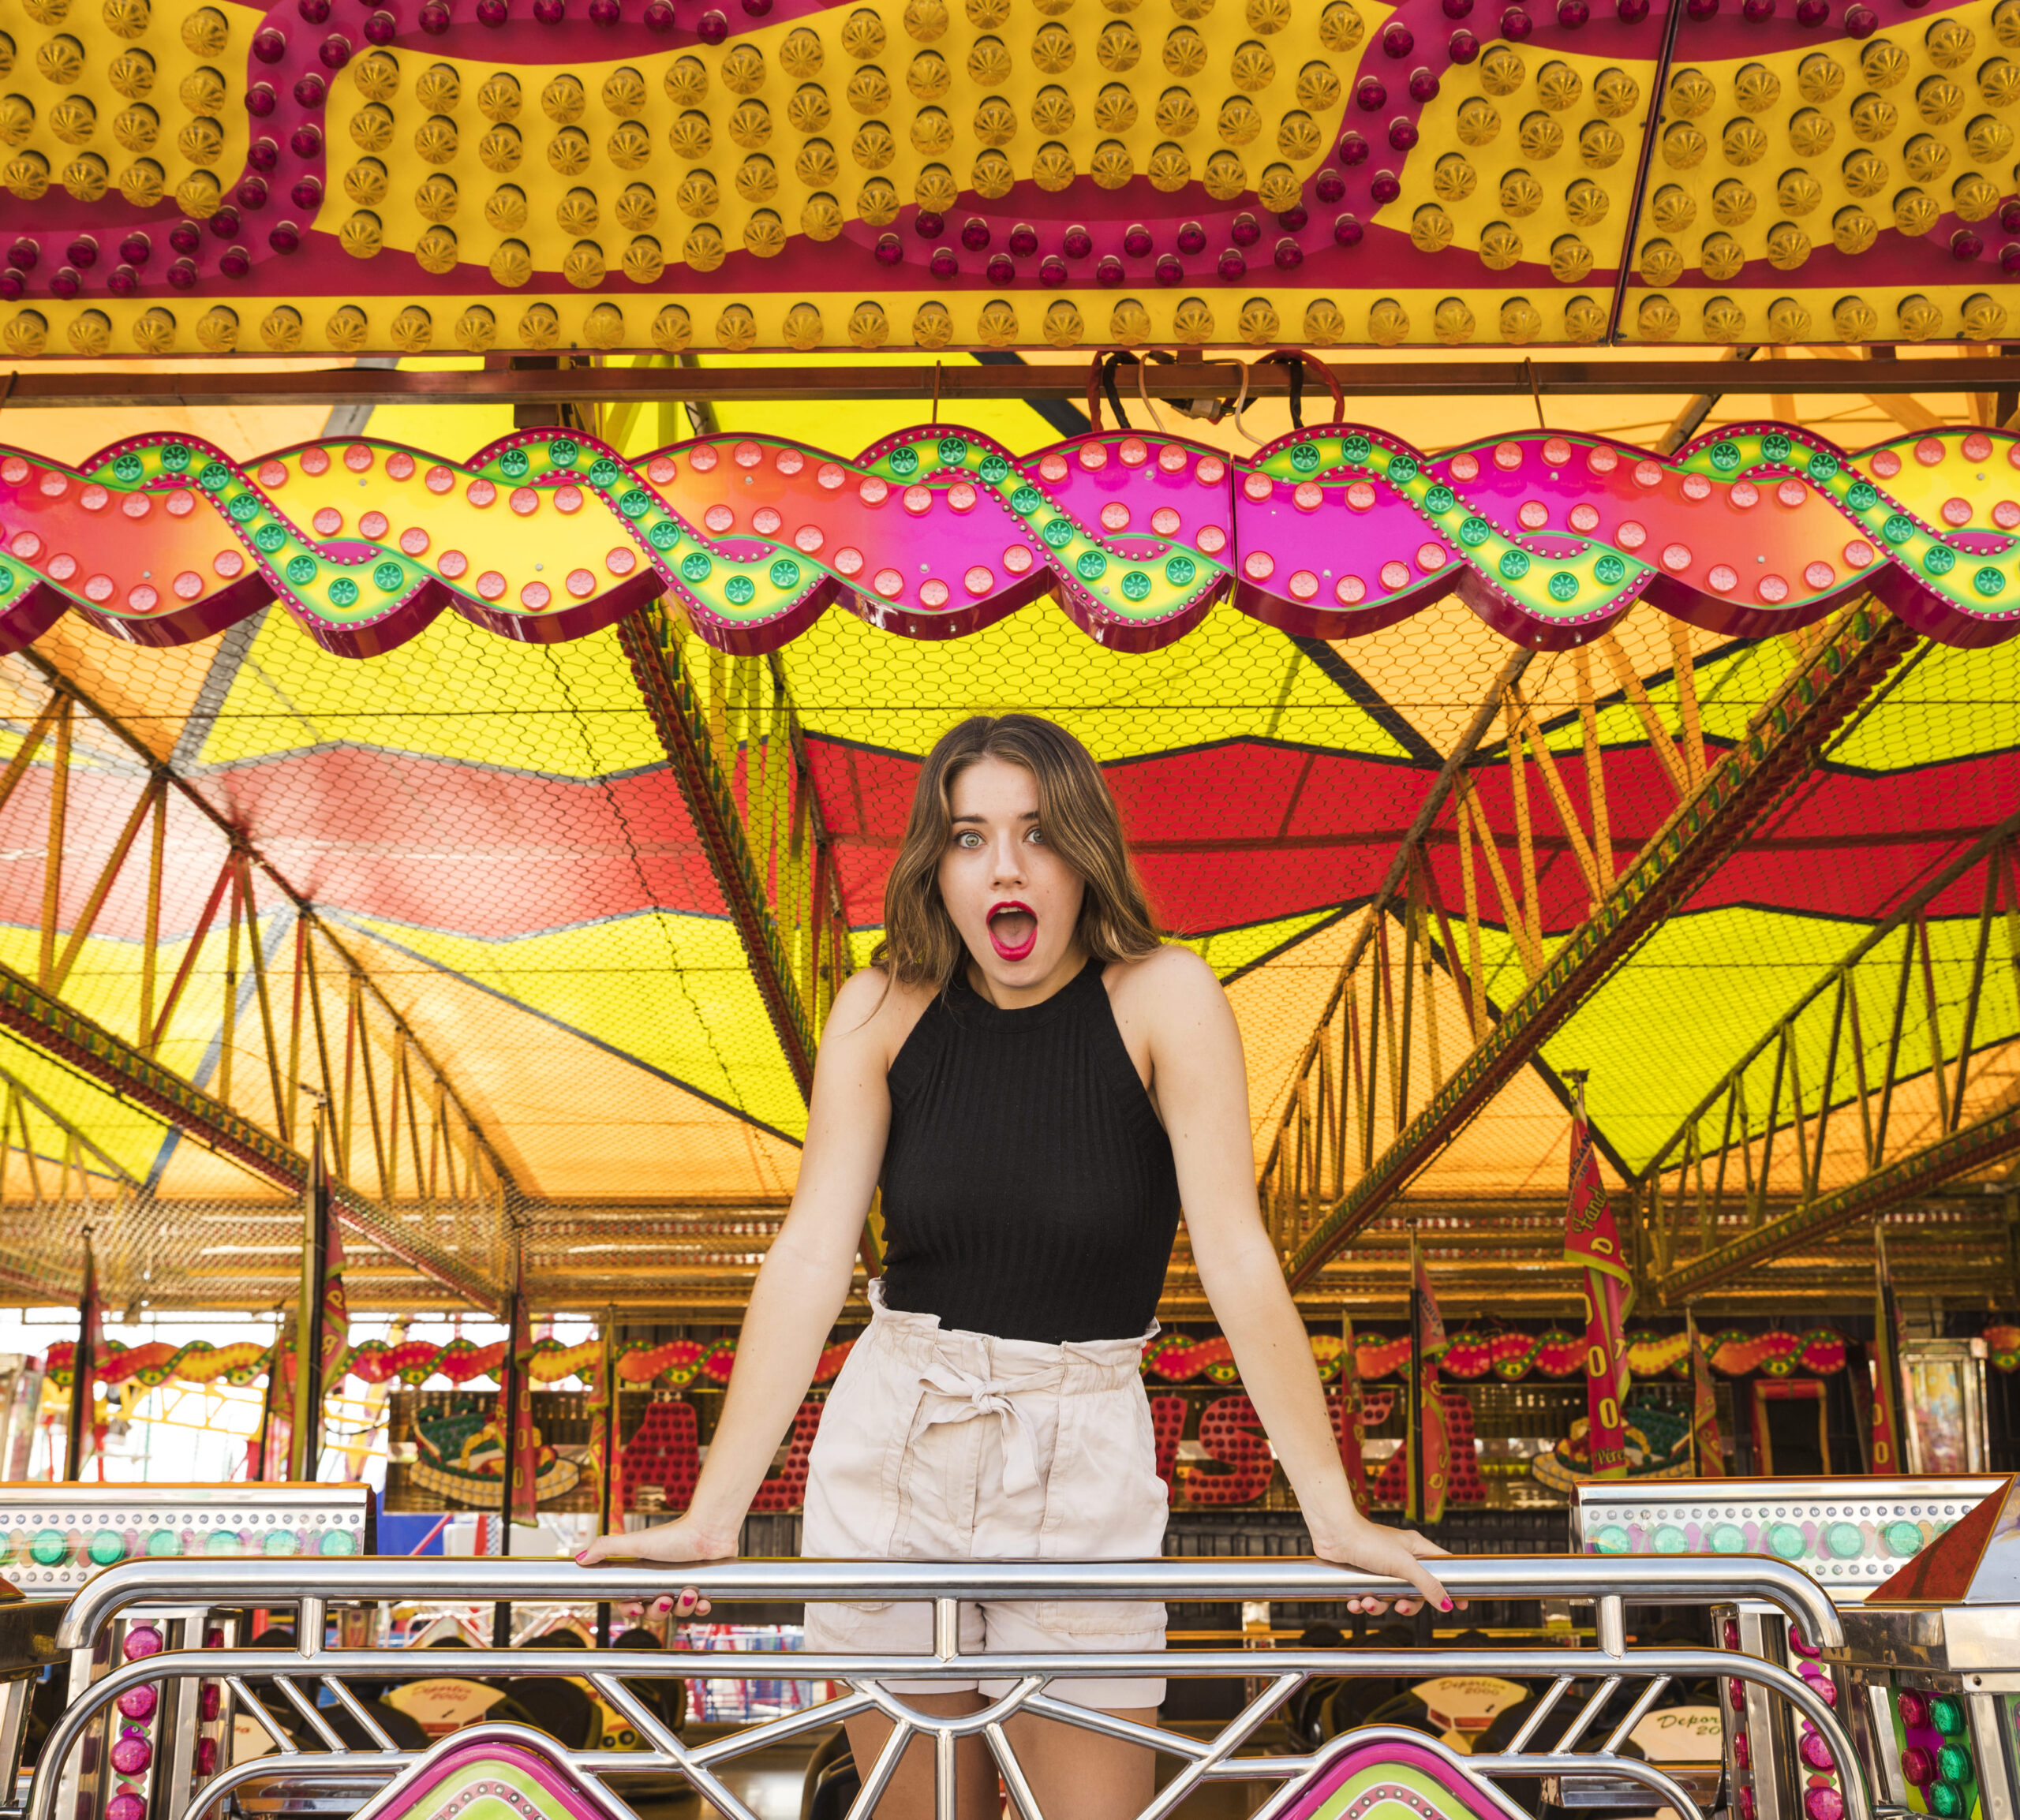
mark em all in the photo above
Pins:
pixel 921 945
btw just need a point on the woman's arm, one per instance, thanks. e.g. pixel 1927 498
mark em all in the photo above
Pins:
pixel 801 1288
pixel 1200 1081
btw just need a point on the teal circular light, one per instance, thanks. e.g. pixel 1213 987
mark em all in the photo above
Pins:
pixel 106 1547
pixel 784 573
pixel 904 462
pixel 48 1548
pixel 1939 559
pixel 164 1542
pixel 1786 1539
pixel 222 1542
pixel 1725 457
pixel 563 453
pixel 1861 496
pixel 1613 1540
pixel 1774 446
pixel 953 451
pixel 7 579
pixel 244 507
pixel 1090 565
pixel 1514 565
pixel 1304 457
pixel 636 503
pixel 1727 1539
pixel 514 464
pixel 694 566
pixel 1903 1539
pixel 1899 528
pixel 174 456
pixel 339 1542
pixel 1610 571
pixel 1027 499
pixel 343 591
pixel 603 472
pixel 1136 586
pixel 301 571
pixel 1954 1764
pixel 269 537
pixel 1821 467
pixel 1180 570
pixel 386 578
pixel 995 469
pixel 1440 498
pixel 1058 533
pixel 1475 532
pixel 1669 1540
pixel 1846 1542
pixel 1563 586
pixel 739 590
pixel 1355 449
pixel 1945 1800
pixel 663 535
pixel 1401 470
pixel 280 1543
pixel 126 467
pixel 214 478
pixel 1988 582
pixel 1946 1716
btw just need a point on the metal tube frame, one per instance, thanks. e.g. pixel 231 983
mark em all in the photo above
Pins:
pixel 1610 1584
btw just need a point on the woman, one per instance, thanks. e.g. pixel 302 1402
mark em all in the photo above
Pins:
pixel 1039 1083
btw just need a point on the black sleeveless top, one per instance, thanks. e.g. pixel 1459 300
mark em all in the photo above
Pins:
pixel 1028 1189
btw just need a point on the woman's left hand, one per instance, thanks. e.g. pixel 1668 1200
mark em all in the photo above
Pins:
pixel 1400 1554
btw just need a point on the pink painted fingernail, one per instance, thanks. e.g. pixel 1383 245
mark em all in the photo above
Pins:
pixel 1446 1606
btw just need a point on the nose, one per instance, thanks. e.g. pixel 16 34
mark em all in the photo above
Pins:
pixel 1009 858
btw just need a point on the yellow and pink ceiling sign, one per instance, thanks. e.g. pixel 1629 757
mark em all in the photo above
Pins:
pixel 936 532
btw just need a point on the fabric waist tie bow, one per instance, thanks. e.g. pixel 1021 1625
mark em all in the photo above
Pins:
pixel 967 1396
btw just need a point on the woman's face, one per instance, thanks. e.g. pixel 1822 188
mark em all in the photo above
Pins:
pixel 1015 901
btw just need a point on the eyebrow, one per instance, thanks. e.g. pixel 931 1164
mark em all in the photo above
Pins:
pixel 1028 815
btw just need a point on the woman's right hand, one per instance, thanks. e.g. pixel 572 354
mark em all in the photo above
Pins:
pixel 681 1541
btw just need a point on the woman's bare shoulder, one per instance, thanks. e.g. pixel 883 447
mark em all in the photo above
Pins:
pixel 876 1010
pixel 1171 981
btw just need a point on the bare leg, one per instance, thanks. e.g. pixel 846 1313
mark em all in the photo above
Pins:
pixel 909 1795
pixel 1076 1774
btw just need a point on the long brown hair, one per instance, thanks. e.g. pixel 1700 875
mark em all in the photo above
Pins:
pixel 921 946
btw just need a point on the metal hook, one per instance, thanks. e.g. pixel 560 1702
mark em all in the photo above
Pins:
pixel 1143 392
pixel 1240 405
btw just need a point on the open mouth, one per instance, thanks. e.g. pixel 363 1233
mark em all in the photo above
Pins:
pixel 1013 929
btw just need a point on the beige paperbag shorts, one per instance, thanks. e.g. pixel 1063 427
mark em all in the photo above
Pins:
pixel 941 1445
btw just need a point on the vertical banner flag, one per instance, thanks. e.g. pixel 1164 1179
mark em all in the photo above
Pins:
pixel 321 1319
pixel 1889 1435
pixel 1430 1452
pixel 82 1432
pixel 603 1425
pixel 271 1445
pixel 524 1505
pixel 1352 1438
pixel 1707 1445
pixel 1591 1238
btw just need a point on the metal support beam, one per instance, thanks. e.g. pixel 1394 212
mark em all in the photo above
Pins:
pixel 1823 691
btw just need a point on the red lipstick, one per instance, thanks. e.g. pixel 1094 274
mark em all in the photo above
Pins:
pixel 1015 942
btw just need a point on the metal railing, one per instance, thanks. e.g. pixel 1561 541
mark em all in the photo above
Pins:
pixel 297 1674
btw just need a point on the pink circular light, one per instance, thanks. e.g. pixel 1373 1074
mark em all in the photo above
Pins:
pixel 328 522
pixel 1886 464
pixel 62 565
pixel 933 592
pixel 1360 496
pixel 1394 575
pixel 1722 578
pixel 54 486
pixel 1212 540
pixel 1259 566
pixel 568 499
pixel 1696 487
pixel 1465 468
pixel 93 497
pixel 1257 487
pixel 1929 451
pixel 482 492
pixel 808 538
pixel 438 479
pixel 1676 556
pixel 1430 557
pixel 1957 512
pixel 789 461
pixel 453 564
pixel 1051 466
pixel 535 595
pixel 704 458
pixel 2006 515
pixel 581 583
pixel 1978 446
pixel 1772 590
pixel 1818 575
pixel 187 585
pixel 718 519
pixel 766 521
pixel 525 501
pixel 918 499
pixel 142 598
pixel 180 503
pixel 1115 516
pixel 660 469
pixel 978 580
pixel 1647 474
pixel 961 496
pixel 229 564
pixel 26 545
pixel 848 560
pixel 1585 518
pixel 315 460
pixel 831 475
pixel 747 455
pixel 1601 459
pixel 13 470
pixel 1165 522
pixel 1303 584
pixel 1211 471
pixel 98 588
pixel 1094 456
pixel 1308 496
pixel 1744 495
pixel 622 560
pixel 1556 451
pixel 1859 553
pixel 373 526
pixel 399 465
pixel 1791 492
pixel 1534 514
pixel 414 541
pixel 874 491
pixel 490 585
pixel 1018 558
pixel 271 474
pixel 1508 456
pixel 889 583
pixel 1171 459
pixel 1350 590
pixel 1134 451
pixel 358 457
